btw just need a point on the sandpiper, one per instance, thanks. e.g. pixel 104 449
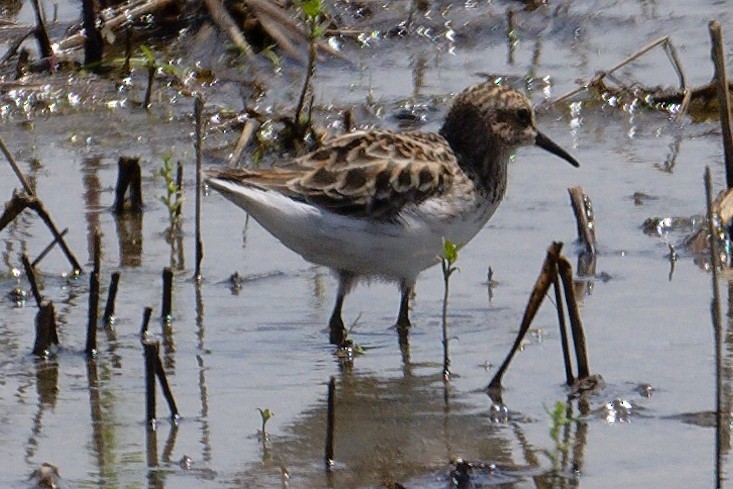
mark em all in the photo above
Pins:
pixel 378 203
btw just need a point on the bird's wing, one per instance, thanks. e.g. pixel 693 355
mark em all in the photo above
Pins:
pixel 363 174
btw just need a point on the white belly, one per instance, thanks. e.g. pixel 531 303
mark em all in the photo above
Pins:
pixel 392 250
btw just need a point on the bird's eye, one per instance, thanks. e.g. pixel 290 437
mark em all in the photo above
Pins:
pixel 523 116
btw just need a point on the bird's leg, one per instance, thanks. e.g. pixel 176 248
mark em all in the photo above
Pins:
pixel 337 330
pixel 403 317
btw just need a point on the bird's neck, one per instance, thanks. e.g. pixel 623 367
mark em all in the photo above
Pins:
pixel 477 150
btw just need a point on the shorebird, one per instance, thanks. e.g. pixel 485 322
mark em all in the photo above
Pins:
pixel 379 203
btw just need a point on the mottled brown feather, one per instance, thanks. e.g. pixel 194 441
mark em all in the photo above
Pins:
pixel 363 174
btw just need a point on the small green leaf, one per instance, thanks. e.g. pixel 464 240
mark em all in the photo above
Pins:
pixel 312 8
pixel 148 53
pixel 266 414
pixel 450 251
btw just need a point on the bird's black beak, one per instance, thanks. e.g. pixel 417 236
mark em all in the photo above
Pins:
pixel 546 143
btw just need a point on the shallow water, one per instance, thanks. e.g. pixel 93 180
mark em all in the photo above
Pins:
pixel 265 345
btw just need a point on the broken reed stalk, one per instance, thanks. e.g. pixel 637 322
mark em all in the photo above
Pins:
pixel 109 308
pixel 576 323
pixel 44 44
pixel 32 279
pixel 16 169
pixel 227 24
pixel 569 377
pixel 535 299
pixel 149 90
pixel 198 108
pixel 330 423
pixel 167 393
pixel 19 203
pixel 717 329
pixel 129 176
pixel 584 218
pixel 91 346
pixel 718 55
pixel 125 14
pixel 167 294
pixel 244 138
pixel 48 248
pixel 46 334
pixel 147 312
pixel 151 348
pixel 93 42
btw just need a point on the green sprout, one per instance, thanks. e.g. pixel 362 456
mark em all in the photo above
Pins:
pixel 558 419
pixel 265 414
pixel 173 198
pixel 447 263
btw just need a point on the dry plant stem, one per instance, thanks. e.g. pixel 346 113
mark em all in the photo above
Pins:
pixel 576 324
pixel 244 138
pixel 586 229
pixel 278 25
pixel 668 48
pixel 46 334
pixel 535 300
pixel 198 109
pixel 13 48
pixel 221 17
pixel 128 176
pixel 167 393
pixel 446 354
pixel 44 44
pixel 109 309
pixel 286 32
pixel 151 349
pixel 330 422
pixel 306 87
pixel 91 346
pixel 19 202
pixel 16 168
pixel 167 293
pixel 93 43
pixel 147 312
pixel 717 329
pixel 47 249
pixel 149 89
pixel 721 77
pixel 569 377
pixel 32 279
pixel 121 19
